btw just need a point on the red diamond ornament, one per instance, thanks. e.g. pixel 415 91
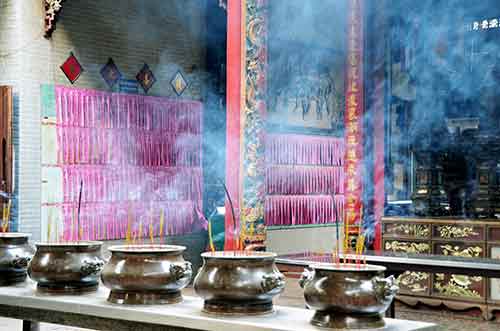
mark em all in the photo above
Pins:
pixel 72 68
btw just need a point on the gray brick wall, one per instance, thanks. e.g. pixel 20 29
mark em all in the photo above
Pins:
pixel 166 34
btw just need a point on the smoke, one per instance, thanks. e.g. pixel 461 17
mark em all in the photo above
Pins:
pixel 442 80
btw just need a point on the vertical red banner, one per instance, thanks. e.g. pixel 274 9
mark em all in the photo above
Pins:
pixel 354 114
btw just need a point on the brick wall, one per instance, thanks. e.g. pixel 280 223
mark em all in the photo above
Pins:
pixel 166 34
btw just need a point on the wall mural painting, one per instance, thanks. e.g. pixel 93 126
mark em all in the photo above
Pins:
pixel 307 89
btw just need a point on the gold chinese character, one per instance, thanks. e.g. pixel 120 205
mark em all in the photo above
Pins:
pixel 351 155
pixel 352 101
pixel 352 127
pixel 351 215
pixel 354 86
pixel 351 170
pixel 351 114
pixel 352 185
pixel 353 59
pixel 354 73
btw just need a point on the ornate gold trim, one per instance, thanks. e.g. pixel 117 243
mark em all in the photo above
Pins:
pixel 412 281
pixel 451 231
pixel 416 230
pixel 457 285
pixel 407 247
pixel 474 251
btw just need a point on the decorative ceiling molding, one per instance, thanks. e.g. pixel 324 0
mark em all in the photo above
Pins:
pixel 52 10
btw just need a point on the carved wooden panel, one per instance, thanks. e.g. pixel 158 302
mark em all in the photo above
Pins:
pixel 494 283
pixel 410 230
pixel 447 237
pixel 407 246
pixel 415 283
pixel 494 233
pixel 458 232
pixel 458 248
pixel 459 286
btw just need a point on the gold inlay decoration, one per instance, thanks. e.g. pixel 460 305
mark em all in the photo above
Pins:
pixel 457 286
pixel 451 231
pixel 474 251
pixel 416 230
pixel 407 247
pixel 413 281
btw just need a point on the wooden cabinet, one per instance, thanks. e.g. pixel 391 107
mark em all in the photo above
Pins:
pixel 467 238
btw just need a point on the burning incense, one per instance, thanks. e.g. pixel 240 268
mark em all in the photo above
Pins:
pixel 210 238
pixel 49 228
pixel 232 209
pixel 128 235
pixel 162 222
pixel 151 233
pixel 6 216
pixel 140 232
pixel 360 243
pixel 79 208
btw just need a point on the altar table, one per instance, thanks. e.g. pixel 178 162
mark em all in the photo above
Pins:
pixel 93 311
pixel 397 263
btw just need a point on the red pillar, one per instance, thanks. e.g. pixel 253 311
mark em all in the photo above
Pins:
pixel 353 119
pixel 233 130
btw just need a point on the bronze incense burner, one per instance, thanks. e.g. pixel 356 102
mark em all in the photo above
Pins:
pixel 348 296
pixel 68 267
pixel 15 254
pixel 146 274
pixel 238 283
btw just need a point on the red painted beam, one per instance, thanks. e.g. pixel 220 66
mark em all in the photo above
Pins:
pixel 233 136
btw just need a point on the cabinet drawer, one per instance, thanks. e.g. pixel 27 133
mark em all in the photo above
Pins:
pixel 407 230
pixel 458 232
pixel 459 248
pixel 459 287
pixel 407 246
pixel 415 283
pixel 494 283
pixel 493 233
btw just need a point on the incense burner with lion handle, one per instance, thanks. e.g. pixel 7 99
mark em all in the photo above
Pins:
pixel 67 267
pixel 348 296
pixel 146 274
pixel 15 255
pixel 238 283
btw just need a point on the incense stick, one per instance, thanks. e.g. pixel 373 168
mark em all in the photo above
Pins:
pixel 79 207
pixel 230 204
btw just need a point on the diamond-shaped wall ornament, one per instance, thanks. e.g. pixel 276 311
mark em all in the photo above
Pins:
pixel 72 68
pixel 146 78
pixel 179 83
pixel 110 73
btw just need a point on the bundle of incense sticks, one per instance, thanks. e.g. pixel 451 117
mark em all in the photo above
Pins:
pixel 140 237
pixel 151 233
pixel 210 237
pixel 360 243
pixel 6 216
pixel 162 221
